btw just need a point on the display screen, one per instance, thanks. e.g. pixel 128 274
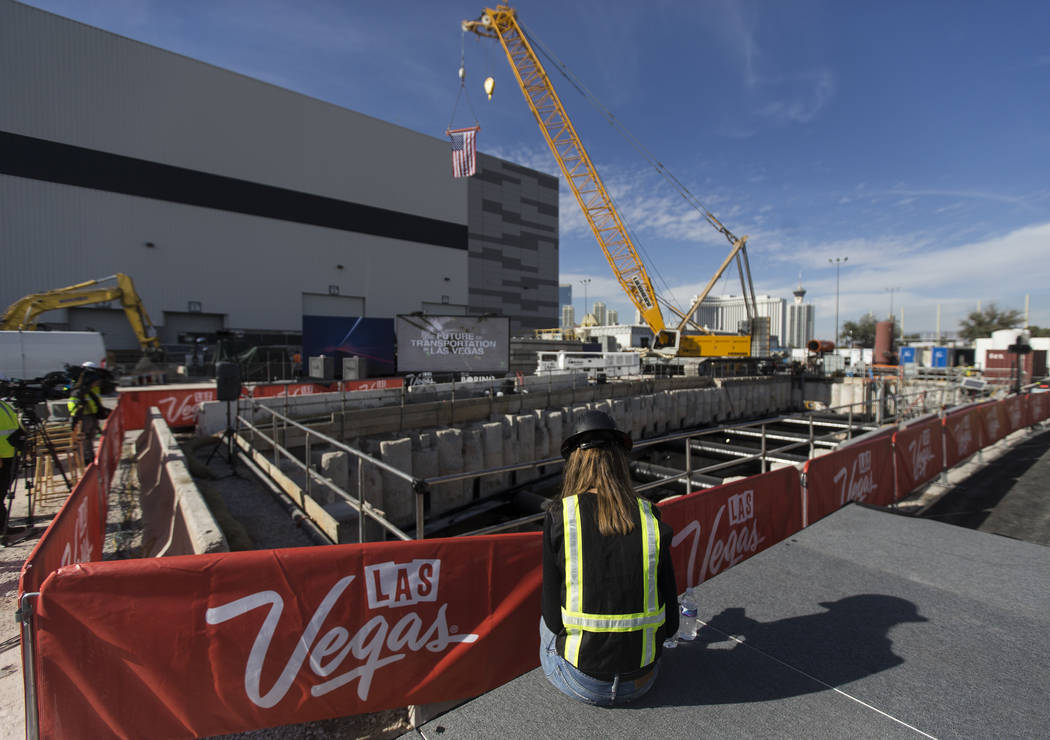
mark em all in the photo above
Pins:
pixel 453 344
pixel 351 336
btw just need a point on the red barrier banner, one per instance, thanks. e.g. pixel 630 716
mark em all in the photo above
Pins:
pixel 1039 406
pixel 717 528
pixel 963 433
pixel 1014 413
pixel 303 389
pixel 237 641
pixel 76 534
pixel 919 455
pixel 179 404
pixel 860 472
pixel 994 423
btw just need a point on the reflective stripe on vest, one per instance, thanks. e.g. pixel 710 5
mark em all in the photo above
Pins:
pixel 90 404
pixel 577 621
pixel 8 424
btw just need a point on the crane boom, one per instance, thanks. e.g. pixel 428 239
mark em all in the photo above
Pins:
pixel 576 166
pixel 502 23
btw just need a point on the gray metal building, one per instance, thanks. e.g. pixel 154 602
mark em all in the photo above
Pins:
pixel 236 204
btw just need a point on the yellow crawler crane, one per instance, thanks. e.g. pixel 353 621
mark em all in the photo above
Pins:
pixel 22 314
pixel 576 166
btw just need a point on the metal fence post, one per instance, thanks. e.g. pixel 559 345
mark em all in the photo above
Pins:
pixel 689 462
pixel 273 437
pixel 763 468
pixel 420 487
pixel 309 464
pixel 24 617
pixel 361 500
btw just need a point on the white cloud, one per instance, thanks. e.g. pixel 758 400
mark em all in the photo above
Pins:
pixel 800 98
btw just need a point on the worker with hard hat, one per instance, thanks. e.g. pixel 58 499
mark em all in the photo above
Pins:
pixel 609 593
pixel 12 439
pixel 86 409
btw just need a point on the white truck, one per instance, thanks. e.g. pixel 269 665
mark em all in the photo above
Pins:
pixel 34 354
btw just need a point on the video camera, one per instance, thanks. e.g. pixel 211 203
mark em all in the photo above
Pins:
pixel 27 394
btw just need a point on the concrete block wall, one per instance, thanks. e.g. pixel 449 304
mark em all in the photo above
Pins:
pixel 175 518
pixel 513 438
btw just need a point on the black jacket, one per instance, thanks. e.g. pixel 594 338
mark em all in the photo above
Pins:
pixel 613 584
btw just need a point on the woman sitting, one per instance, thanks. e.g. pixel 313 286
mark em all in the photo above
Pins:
pixel 609 594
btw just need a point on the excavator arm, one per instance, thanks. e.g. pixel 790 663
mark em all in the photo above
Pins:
pixel 22 314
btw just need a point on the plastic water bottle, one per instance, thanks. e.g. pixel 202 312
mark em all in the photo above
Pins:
pixel 687 620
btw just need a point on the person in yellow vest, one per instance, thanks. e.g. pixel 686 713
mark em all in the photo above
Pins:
pixel 86 410
pixel 609 593
pixel 12 439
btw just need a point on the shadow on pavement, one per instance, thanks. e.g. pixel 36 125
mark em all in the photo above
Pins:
pixel 971 502
pixel 787 657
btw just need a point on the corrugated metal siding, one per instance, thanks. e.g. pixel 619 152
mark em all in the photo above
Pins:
pixel 68 82
pixel 253 269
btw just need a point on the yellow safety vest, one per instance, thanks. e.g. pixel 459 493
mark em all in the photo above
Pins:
pixel 576 621
pixel 90 404
pixel 9 423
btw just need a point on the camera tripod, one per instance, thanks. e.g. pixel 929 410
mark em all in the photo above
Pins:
pixel 227 440
pixel 26 460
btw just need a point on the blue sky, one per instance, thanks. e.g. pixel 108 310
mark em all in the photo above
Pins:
pixel 912 138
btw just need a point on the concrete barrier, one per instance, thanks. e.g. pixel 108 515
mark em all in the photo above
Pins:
pixel 175 519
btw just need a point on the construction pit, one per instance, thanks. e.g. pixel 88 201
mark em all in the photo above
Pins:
pixel 453 459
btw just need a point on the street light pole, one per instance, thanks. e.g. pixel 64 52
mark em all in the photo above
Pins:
pixel 836 262
pixel 891 292
pixel 584 282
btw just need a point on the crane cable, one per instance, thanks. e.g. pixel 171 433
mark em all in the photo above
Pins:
pixel 462 82
pixel 631 138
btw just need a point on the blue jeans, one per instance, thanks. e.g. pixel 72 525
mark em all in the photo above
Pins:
pixel 577 685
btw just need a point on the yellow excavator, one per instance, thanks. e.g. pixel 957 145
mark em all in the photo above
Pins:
pixel 22 314
pixel 501 23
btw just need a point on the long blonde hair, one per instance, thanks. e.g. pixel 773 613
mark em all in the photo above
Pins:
pixel 604 471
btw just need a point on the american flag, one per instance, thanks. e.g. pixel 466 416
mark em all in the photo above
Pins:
pixel 463 150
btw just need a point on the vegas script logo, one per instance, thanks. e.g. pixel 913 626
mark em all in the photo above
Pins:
pixel 723 549
pixel 859 482
pixel 373 645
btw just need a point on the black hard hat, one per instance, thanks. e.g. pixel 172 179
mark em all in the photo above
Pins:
pixel 594 429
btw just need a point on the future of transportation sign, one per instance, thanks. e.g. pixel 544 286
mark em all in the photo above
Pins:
pixel 453 344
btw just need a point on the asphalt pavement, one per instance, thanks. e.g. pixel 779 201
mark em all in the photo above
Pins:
pixel 867 624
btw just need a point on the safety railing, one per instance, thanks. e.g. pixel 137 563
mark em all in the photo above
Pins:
pixel 279 425
pixel 274 432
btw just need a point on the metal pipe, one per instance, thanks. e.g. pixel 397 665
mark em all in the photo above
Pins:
pixel 506 525
pixel 689 458
pixel 341 446
pixel 361 500
pixel 763 468
pixel 362 507
pixel 24 617
pixel 308 459
pixel 297 515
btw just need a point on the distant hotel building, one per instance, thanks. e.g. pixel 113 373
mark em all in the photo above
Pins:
pixel 568 317
pixel 565 294
pixel 600 313
pixel 799 320
pixel 728 312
